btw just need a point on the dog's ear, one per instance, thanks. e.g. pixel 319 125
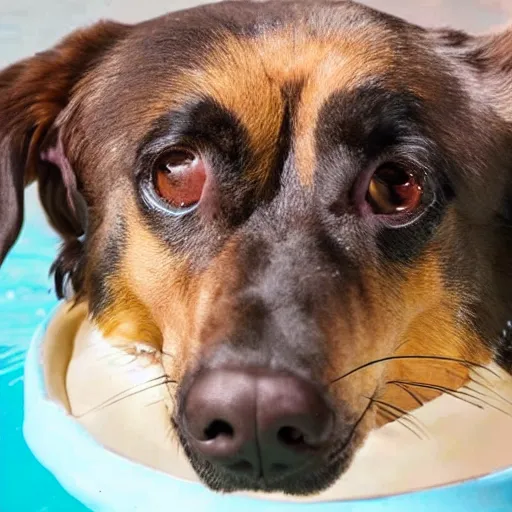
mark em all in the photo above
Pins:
pixel 485 66
pixel 488 59
pixel 491 58
pixel 33 93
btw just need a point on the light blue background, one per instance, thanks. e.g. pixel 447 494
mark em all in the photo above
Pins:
pixel 26 297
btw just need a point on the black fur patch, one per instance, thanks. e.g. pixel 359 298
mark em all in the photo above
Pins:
pixel 111 252
pixel 217 134
pixel 361 129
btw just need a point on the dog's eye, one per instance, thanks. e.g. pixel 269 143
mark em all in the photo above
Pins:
pixel 393 190
pixel 179 179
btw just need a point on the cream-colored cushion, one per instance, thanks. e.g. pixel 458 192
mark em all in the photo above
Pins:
pixel 114 395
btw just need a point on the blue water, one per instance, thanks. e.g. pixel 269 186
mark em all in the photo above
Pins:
pixel 26 297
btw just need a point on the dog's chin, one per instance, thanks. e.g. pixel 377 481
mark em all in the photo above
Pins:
pixel 313 481
pixel 309 481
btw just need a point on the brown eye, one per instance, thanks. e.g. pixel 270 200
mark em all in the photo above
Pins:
pixel 179 179
pixel 393 190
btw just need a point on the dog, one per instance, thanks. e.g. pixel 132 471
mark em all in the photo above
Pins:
pixel 304 207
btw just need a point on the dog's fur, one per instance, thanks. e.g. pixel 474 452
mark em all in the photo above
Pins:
pixel 291 103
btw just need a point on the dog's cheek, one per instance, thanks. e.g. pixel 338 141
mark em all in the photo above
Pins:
pixel 360 326
pixel 403 312
pixel 156 297
pixel 434 330
pixel 147 295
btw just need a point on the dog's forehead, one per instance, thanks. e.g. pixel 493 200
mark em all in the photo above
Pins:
pixel 227 49
pixel 223 49
pixel 248 57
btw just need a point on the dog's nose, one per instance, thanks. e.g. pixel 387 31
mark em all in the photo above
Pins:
pixel 257 423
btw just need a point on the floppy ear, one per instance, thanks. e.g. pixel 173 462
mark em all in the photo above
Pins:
pixel 33 93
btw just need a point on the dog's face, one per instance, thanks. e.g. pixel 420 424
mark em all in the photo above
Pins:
pixel 305 207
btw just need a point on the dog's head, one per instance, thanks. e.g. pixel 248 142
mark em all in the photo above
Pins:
pixel 305 207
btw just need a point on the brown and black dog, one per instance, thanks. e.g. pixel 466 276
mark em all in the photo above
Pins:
pixel 306 206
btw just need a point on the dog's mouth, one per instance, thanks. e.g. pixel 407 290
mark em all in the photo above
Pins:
pixel 315 476
pixel 267 430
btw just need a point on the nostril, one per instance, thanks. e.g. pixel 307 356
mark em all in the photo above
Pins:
pixel 218 428
pixel 291 436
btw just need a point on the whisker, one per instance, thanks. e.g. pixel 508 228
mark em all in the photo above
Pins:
pixel 471 378
pixel 361 417
pixel 157 352
pixel 481 395
pixel 114 358
pixel 159 401
pixel 396 417
pixel 456 394
pixel 127 394
pixel 367 408
pixel 486 384
pixel 413 395
pixel 388 414
pixel 400 346
pixel 487 404
pixel 485 379
pixel 452 392
pixel 419 357
pixel 491 390
pixel 109 355
pixel 405 416
pixel 163 376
